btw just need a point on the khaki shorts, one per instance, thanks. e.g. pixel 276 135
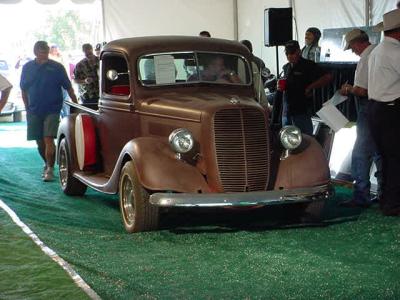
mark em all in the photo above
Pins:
pixel 42 126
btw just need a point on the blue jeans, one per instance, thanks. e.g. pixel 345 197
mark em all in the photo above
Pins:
pixel 364 153
pixel 303 121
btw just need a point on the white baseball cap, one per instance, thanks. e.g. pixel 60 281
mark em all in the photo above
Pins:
pixel 351 36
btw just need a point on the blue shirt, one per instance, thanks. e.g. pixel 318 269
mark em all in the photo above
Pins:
pixel 43 84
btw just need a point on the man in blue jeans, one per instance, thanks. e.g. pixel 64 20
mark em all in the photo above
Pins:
pixel 364 151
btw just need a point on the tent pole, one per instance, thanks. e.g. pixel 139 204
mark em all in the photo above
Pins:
pixel 235 20
pixel 368 4
pixel 103 19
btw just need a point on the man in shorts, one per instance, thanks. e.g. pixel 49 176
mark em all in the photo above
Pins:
pixel 42 81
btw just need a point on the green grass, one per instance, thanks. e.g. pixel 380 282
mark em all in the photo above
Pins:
pixel 219 254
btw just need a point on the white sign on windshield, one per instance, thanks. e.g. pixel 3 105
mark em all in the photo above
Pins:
pixel 165 69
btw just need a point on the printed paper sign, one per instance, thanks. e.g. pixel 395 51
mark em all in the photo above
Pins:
pixel 165 69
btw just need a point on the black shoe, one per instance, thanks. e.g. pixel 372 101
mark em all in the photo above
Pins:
pixel 353 204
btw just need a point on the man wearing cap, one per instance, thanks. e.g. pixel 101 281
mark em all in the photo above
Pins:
pixel 364 150
pixel 384 117
pixel 302 76
pixel 42 81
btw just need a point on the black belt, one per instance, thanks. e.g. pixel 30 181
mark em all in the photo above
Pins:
pixel 390 103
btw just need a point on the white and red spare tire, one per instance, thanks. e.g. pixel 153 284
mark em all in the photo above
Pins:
pixel 85 141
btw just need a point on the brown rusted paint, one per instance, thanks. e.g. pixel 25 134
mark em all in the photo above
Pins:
pixel 160 170
pixel 307 168
pixel 137 127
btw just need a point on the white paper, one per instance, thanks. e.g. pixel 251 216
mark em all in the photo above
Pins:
pixel 332 117
pixel 164 67
pixel 336 99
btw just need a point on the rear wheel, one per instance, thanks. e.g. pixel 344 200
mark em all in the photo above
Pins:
pixel 69 184
pixel 137 212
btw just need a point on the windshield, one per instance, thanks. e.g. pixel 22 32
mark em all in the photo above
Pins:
pixel 188 68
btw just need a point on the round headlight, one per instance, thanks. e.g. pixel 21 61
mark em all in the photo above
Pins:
pixel 290 137
pixel 181 140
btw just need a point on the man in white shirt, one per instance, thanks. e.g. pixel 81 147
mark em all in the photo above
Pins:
pixel 5 88
pixel 364 150
pixel 384 92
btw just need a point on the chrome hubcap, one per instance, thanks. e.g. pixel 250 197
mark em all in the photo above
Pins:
pixel 63 167
pixel 127 200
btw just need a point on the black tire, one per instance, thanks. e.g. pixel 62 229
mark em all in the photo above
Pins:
pixel 69 184
pixel 137 213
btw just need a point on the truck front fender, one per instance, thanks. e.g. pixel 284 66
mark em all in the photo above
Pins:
pixel 304 169
pixel 158 168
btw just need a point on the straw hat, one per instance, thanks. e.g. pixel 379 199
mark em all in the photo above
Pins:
pixel 391 20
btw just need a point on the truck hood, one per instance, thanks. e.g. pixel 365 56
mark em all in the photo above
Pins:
pixel 189 107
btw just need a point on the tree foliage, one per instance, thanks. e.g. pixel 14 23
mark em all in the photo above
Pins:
pixel 66 30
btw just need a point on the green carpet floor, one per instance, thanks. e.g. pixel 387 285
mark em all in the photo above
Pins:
pixel 264 254
pixel 26 273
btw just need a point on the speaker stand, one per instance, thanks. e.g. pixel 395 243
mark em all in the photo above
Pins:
pixel 277 62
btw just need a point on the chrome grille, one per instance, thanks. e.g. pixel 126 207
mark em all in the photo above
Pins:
pixel 242 149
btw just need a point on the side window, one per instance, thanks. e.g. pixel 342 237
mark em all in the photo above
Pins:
pixel 120 86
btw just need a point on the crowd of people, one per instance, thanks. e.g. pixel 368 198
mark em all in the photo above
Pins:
pixel 377 89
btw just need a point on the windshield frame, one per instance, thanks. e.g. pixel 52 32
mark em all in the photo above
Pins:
pixel 195 54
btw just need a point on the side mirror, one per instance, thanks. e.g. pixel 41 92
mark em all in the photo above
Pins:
pixel 112 75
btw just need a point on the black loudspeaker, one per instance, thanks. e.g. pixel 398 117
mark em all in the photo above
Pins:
pixel 278 28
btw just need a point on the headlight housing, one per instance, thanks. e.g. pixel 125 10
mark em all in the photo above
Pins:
pixel 290 137
pixel 181 140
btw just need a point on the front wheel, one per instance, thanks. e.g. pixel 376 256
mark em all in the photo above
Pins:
pixel 69 184
pixel 137 212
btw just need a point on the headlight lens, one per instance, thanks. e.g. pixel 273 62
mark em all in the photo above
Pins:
pixel 181 140
pixel 290 137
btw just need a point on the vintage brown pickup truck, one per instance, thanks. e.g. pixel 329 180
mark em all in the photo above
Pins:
pixel 178 125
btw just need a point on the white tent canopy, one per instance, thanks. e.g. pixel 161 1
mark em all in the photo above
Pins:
pixel 235 19
pixel 127 18
pixel 230 19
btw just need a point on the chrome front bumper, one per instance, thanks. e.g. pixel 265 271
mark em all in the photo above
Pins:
pixel 317 193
